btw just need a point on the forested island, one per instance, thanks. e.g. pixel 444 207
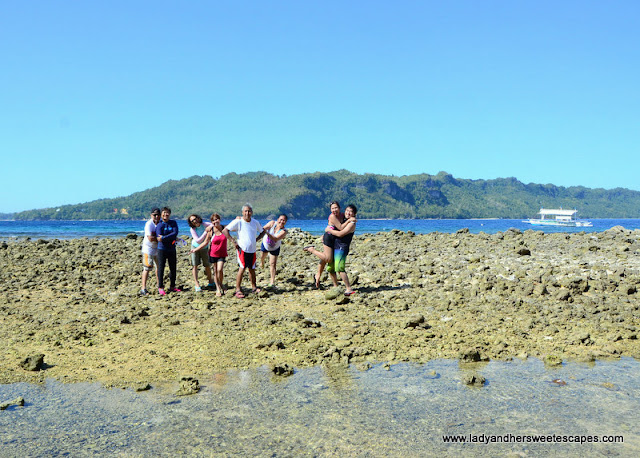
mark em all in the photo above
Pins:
pixel 306 196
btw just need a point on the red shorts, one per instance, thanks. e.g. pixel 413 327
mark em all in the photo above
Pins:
pixel 246 259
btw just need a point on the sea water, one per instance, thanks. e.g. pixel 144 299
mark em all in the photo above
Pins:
pixel 523 409
pixel 77 229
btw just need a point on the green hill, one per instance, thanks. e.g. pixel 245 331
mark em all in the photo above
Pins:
pixel 306 196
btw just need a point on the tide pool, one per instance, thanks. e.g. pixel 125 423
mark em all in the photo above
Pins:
pixel 397 410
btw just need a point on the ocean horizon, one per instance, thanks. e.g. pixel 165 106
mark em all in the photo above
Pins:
pixel 120 228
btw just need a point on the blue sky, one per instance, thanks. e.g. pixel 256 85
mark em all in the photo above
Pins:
pixel 103 99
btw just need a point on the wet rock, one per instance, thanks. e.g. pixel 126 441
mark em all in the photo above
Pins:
pixel 473 380
pixel 188 386
pixel 610 386
pixel 432 375
pixel 282 370
pixel 18 402
pixel 33 363
pixel 141 386
pixel 552 360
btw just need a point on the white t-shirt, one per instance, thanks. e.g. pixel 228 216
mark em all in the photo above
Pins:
pixel 247 233
pixel 148 247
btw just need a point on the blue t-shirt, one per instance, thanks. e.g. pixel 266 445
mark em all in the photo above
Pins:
pixel 169 233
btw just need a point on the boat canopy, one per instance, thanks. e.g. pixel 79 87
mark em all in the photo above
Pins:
pixel 557 212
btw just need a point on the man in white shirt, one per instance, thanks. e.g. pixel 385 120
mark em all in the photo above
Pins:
pixel 150 249
pixel 249 230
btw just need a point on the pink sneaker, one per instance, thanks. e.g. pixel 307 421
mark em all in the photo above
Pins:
pixel 175 290
pixel 161 292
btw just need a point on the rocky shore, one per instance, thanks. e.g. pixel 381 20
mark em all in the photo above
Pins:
pixel 419 297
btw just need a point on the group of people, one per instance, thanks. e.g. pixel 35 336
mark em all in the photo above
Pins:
pixel 210 240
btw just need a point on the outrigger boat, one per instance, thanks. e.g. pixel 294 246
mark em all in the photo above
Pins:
pixel 558 217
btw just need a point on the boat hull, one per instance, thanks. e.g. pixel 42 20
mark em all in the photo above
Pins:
pixel 551 222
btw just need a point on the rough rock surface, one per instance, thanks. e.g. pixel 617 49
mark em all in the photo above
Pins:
pixel 419 297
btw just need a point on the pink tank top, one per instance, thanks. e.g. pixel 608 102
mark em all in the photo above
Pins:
pixel 218 246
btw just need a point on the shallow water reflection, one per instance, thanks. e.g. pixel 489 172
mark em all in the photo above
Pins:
pixel 337 411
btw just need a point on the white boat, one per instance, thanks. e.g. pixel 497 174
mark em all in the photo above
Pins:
pixel 558 217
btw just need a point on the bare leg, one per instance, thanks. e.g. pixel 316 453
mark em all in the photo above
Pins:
pixel 321 265
pixel 195 276
pixel 207 270
pixel 345 279
pixel 252 277
pixel 145 275
pixel 262 259
pixel 334 278
pixel 221 275
pixel 272 267
pixel 239 279
pixel 217 276
pixel 324 256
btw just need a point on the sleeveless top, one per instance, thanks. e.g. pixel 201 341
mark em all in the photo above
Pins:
pixel 343 243
pixel 269 243
pixel 218 246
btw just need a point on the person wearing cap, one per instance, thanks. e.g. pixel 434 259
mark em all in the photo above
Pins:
pixel 150 249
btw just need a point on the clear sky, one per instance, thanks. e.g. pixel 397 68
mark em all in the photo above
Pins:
pixel 103 99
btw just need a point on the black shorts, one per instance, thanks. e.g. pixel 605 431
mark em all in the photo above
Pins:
pixel 328 239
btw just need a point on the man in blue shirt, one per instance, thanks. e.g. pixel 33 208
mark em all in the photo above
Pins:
pixel 166 233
